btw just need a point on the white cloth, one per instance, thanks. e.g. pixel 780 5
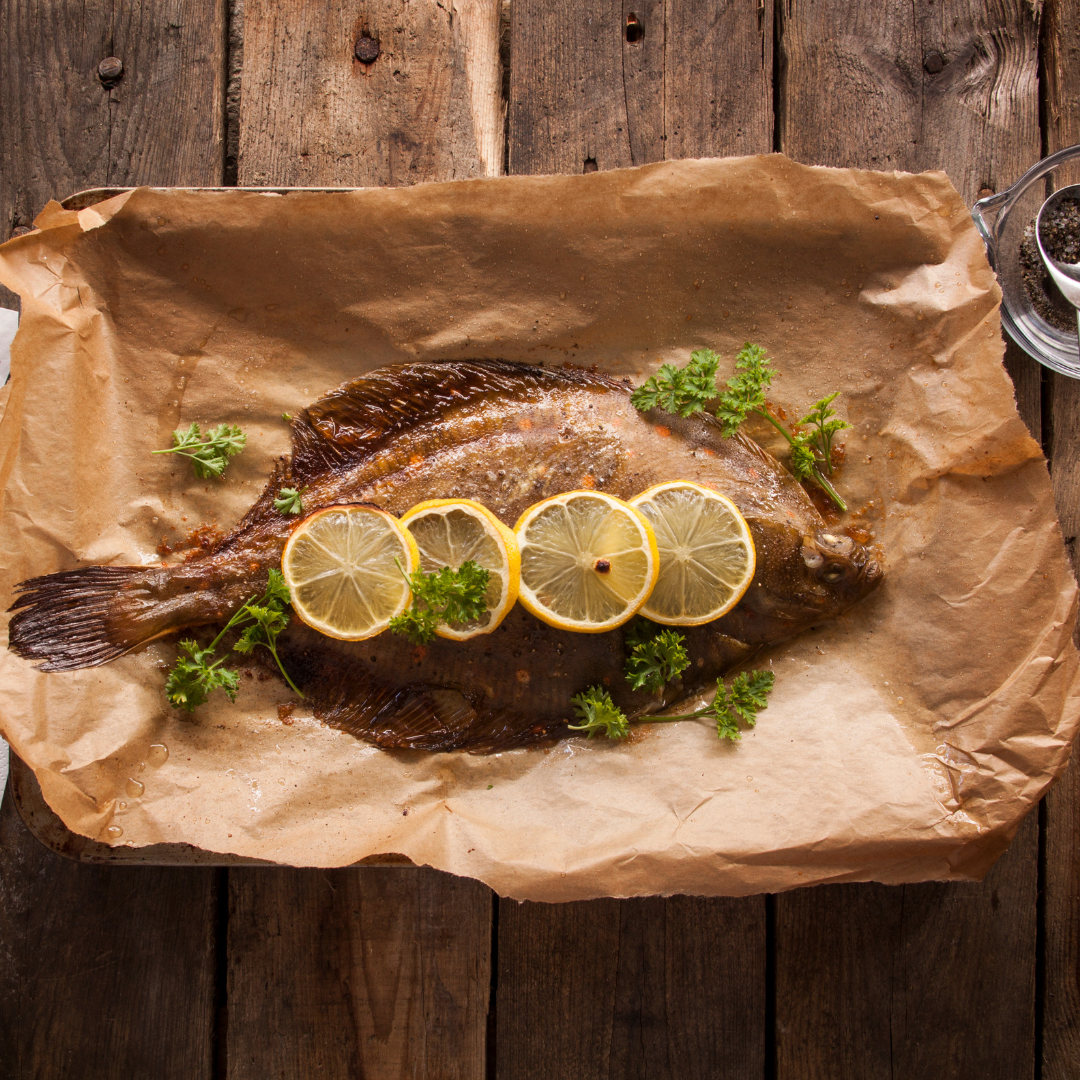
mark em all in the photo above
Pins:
pixel 9 323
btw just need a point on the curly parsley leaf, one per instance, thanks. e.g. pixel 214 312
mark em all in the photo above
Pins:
pixel 269 622
pixel 683 391
pixel 597 712
pixel 210 453
pixel 743 700
pixel 277 592
pixel 442 596
pixel 193 678
pixel 820 417
pixel 746 388
pixel 657 655
pixel 288 501
pixel 802 458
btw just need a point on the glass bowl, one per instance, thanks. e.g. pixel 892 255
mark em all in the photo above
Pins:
pixel 1001 219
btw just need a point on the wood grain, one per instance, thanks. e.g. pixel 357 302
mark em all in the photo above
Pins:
pixel 1061 884
pixel 631 989
pixel 859 87
pixel 922 980
pixel 104 972
pixel 345 973
pixel 719 79
pixel 380 973
pixel 312 114
pixel 695 81
pixel 162 123
pixel 635 988
pixel 913 981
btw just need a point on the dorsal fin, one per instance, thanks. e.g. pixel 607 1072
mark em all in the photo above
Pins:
pixel 359 417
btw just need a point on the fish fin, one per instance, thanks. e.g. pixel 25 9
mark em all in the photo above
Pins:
pixel 72 619
pixel 262 508
pixel 409 717
pixel 358 418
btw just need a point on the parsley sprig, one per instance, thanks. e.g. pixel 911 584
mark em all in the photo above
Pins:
pixel 687 390
pixel 597 712
pixel 209 453
pixel 657 655
pixel 442 596
pixel 288 501
pixel 739 703
pixel 684 391
pixel 746 393
pixel 194 677
pixel 823 428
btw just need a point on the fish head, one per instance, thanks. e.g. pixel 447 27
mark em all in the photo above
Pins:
pixel 838 570
pixel 801 579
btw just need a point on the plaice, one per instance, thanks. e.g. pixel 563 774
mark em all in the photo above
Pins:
pixel 507 435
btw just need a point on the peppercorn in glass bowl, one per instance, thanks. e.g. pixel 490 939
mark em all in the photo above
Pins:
pixel 1034 313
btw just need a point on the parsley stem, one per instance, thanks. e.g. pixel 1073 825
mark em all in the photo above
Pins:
pixel 237 616
pixel 242 615
pixel 829 489
pixel 671 719
pixel 826 444
pixel 776 424
pixel 277 660
pixel 817 475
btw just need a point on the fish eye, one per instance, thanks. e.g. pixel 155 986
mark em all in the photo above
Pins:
pixel 832 573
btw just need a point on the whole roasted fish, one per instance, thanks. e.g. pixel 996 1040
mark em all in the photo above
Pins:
pixel 508 436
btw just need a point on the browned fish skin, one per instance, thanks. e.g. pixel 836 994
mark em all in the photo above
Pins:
pixel 508 436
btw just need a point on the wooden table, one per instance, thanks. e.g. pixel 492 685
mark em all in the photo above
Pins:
pixel 190 972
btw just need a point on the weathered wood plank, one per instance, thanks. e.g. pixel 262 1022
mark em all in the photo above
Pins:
pixel 877 981
pixel 622 83
pixel 311 113
pixel 639 987
pixel 1061 882
pixel 104 972
pixel 380 973
pixel 631 989
pixel 951 84
pixel 161 123
pixel 924 980
pixel 719 79
pixel 564 113
pixel 375 973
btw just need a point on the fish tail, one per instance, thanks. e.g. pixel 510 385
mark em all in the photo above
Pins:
pixel 78 618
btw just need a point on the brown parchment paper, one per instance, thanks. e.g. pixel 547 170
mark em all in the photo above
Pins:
pixel 903 741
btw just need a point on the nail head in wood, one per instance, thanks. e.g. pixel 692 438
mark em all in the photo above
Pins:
pixel 635 31
pixel 933 62
pixel 366 49
pixel 110 69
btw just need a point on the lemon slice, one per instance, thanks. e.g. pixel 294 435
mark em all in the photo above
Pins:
pixel 339 564
pixel 707 555
pixel 588 561
pixel 449 532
